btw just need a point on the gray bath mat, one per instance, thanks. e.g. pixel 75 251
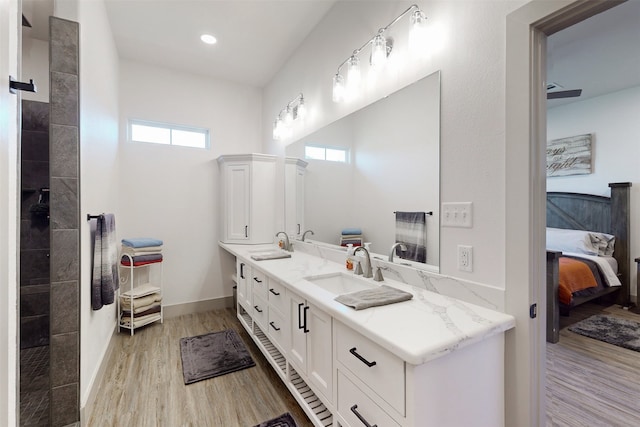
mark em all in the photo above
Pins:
pixel 284 420
pixel 211 355
pixel 610 329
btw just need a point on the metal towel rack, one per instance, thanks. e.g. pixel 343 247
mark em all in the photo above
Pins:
pixel 90 217
pixel 426 213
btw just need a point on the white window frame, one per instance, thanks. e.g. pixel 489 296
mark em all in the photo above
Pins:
pixel 171 127
pixel 325 148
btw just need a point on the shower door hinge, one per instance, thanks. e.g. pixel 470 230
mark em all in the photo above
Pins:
pixel 15 85
pixel 533 311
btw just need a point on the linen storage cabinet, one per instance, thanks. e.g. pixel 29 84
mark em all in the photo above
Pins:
pixel 140 299
pixel 247 193
pixel 294 171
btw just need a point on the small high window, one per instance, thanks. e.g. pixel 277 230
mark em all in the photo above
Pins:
pixel 168 134
pixel 331 154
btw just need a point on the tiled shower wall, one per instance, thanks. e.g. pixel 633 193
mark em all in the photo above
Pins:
pixel 34 226
pixel 65 241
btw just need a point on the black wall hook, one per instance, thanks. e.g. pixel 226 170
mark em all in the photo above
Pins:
pixel 15 85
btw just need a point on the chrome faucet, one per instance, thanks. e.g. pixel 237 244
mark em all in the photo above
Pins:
pixel 287 246
pixel 305 234
pixel 393 250
pixel 367 271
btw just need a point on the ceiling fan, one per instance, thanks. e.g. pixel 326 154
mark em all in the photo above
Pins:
pixel 559 94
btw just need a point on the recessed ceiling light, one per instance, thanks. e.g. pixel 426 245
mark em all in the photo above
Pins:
pixel 208 39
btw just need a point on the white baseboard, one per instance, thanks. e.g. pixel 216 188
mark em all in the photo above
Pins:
pixel 176 310
pixel 85 411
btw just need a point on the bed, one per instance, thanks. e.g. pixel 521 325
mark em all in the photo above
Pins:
pixel 609 215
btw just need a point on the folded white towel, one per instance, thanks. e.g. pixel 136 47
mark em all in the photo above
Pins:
pixel 141 251
pixel 125 302
pixel 138 321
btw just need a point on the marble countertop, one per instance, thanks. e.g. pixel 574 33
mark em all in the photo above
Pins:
pixel 427 327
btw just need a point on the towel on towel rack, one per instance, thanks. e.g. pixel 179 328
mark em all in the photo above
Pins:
pixel 141 242
pixel 104 281
pixel 411 229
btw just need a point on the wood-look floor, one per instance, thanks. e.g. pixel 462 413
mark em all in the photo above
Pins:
pixel 589 382
pixel 144 386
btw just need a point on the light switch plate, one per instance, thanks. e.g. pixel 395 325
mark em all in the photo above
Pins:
pixel 459 214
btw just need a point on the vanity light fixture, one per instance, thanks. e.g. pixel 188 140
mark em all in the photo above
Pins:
pixel 294 110
pixel 381 47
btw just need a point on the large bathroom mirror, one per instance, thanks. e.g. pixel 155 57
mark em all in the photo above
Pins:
pixel 392 164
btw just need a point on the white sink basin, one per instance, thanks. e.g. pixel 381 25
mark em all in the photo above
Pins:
pixel 341 283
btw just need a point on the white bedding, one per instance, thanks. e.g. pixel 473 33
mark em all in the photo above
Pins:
pixel 607 265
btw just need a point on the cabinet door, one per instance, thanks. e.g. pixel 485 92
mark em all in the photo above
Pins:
pixel 299 206
pixel 319 355
pixel 244 292
pixel 238 196
pixel 298 341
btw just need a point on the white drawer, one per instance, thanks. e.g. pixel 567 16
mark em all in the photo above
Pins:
pixel 378 368
pixel 259 312
pixel 277 297
pixel 352 402
pixel 278 328
pixel 259 283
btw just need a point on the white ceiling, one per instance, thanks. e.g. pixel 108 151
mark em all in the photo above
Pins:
pixel 599 55
pixel 255 38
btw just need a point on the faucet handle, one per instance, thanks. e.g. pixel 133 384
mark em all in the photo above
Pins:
pixel 358 269
pixel 378 276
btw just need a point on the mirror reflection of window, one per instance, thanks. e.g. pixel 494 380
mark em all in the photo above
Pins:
pixel 330 154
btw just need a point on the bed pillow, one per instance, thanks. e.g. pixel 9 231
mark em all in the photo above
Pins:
pixel 580 241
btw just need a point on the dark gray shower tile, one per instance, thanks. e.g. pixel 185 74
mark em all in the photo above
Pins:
pixel 35 116
pixel 35 175
pixel 64 151
pixel 64 255
pixel 64 359
pixel 64 99
pixel 33 235
pixel 64 307
pixel 34 331
pixel 64 405
pixel 34 266
pixel 64 203
pixel 35 145
pixel 64 45
pixel 34 304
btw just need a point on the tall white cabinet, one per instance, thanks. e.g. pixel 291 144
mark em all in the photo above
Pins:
pixel 247 193
pixel 294 171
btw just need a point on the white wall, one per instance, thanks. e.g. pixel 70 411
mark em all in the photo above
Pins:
pixel 35 65
pixel 171 192
pixel 472 60
pixel 613 121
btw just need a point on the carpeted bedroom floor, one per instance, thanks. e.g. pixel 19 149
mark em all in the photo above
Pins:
pixel 589 382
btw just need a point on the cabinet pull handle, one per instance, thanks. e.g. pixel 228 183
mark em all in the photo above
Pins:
pixel 257 280
pixel 246 231
pixel 354 409
pixel 305 319
pixel 298 228
pixel 300 324
pixel 362 359
pixel 260 311
pixel 242 270
pixel 274 326
pixel 274 292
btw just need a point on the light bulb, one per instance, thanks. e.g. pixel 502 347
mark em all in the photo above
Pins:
pixel 338 88
pixel 378 51
pixel 302 110
pixel 418 35
pixel 208 39
pixel 288 117
pixel 353 77
pixel 280 128
pixel 276 135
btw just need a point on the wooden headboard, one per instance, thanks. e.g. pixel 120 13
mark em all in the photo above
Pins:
pixel 609 215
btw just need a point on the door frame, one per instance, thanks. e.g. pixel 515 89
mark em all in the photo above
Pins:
pixel 527 29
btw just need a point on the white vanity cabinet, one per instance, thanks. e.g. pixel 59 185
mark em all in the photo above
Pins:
pixel 310 347
pixel 243 289
pixel 247 193
pixel 294 171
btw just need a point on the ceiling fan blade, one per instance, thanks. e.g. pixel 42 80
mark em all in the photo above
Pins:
pixel 564 94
